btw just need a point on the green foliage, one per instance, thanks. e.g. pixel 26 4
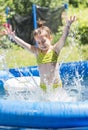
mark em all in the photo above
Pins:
pixel 85 51
pixel 22 7
pixel 77 3
pixel 45 3
pixel 81 25
pixel 83 32
pixel 3 5
pixel 5 43
pixel 25 6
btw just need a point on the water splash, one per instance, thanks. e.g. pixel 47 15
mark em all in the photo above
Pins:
pixel 24 88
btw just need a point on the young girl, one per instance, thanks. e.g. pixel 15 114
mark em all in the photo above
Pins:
pixel 46 53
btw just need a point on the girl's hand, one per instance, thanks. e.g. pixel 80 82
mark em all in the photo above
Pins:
pixel 71 20
pixel 8 31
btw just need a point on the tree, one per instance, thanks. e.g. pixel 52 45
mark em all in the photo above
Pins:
pixel 25 6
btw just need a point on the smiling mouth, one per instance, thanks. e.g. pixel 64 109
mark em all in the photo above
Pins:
pixel 44 47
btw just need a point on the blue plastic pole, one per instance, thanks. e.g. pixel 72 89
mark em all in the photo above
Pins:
pixel 7 11
pixel 34 19
pixel 66 6
pixel 66 10
pixel 34 16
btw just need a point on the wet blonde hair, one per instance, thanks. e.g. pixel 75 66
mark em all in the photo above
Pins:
pixel 42 29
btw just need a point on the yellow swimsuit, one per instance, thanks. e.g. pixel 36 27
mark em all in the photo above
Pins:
pixel 50 57
pixel 43 58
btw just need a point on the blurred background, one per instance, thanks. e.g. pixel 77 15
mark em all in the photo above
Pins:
pixel 76 47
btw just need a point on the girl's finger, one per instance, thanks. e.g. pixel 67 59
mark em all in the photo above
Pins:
pixel 3 32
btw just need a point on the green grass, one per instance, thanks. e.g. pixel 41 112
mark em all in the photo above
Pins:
pixel 18 57
pixel 74 53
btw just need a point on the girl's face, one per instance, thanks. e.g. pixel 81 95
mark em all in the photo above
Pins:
pixel 43 41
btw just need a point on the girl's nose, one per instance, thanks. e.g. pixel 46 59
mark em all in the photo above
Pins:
pixel 43 40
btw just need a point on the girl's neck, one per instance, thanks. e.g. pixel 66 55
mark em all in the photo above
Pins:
pixel 48 50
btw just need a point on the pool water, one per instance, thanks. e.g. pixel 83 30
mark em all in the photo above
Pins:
pixel 27 88
pixel 75 91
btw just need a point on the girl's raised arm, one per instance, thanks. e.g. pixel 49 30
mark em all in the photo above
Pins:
pixel 19 41
pixel 58 46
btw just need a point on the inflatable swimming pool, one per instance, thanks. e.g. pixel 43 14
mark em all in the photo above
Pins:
pixel 45 114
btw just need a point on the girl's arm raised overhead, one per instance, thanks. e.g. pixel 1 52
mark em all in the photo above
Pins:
pixel 19 41
pixel 58 46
